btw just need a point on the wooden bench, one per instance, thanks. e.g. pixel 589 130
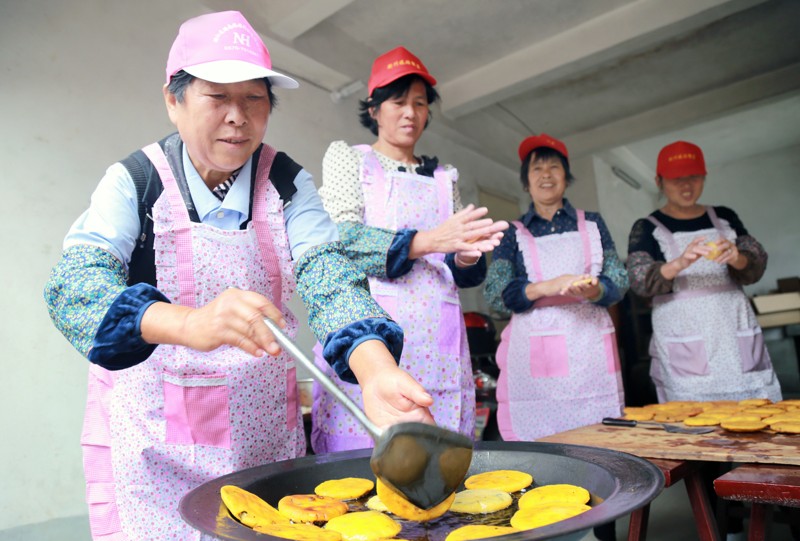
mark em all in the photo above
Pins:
pixel 763 486
pixel 690 473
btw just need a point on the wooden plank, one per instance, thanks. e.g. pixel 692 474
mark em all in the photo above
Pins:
pixel 717 446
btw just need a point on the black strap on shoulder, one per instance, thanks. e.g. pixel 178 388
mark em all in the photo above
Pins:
pixel 282 174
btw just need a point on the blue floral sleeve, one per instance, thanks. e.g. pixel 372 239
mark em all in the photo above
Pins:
pixel 341 311
pixel 89 302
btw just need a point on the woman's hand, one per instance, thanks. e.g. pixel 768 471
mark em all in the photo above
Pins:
pixel 729 255
pixel 585 286
pixel 390 394
pixel 466 232
pixel 574 285
pixel 693 252
pixel 234 318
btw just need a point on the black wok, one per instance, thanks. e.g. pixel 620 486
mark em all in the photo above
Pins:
pixel 618 482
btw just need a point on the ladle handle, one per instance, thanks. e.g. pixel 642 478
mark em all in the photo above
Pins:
pixel 322 378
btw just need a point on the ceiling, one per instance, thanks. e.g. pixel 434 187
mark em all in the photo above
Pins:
pixel 617 78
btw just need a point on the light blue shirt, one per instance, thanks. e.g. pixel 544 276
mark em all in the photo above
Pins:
pixel 112 220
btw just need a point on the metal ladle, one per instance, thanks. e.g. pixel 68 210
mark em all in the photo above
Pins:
pixel 425 463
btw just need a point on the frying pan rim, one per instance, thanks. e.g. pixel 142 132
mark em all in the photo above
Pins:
pixel 625 501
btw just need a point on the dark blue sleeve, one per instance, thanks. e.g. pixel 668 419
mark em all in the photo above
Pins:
pixel 471 276
pixel 397 262
pixel 514 295
pixel 340 344
pixel 118 343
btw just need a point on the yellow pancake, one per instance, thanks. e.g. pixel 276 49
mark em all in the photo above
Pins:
pixel 703 420
pixel 788 416
pixel 563 493
pixel 546 513
pixel 749 402
pixel 480 501
pixel 505 480
pixel 349 488
pixel 299 532
pixel 364 526
pixel 248 508
pixel 786 427
pixel 743 426
pixel 403 508
pixel 763 412
pixel 478 531
pixel 310 507
pixel 375 504
pixel 638 414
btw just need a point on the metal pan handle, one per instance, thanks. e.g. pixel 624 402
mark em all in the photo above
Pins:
pixel 618 422
pixel 322 378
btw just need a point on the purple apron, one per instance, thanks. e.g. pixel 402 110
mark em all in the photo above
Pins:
pixel 559 366
pixel 182 417
pixel 706 342
pixel 424 302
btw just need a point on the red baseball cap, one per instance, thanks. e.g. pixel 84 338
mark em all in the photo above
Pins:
pixel 394 64
pixel 680 159
pixel 538 141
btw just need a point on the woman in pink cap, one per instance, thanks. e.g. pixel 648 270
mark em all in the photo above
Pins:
pixel 400 218
pixel 166 279
pixel 557 272
pixel 692 260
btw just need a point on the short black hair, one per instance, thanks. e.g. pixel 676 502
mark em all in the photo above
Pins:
pixel 395 89
pixel 179 82
pixel 543 154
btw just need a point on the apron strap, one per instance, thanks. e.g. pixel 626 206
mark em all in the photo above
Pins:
pixel 182 226
pixel 261 224
pixel 716 221
pixel 681 281
pixel 587 247
pixel 376 192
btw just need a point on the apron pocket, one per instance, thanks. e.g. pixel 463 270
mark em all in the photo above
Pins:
pixel 549 355
pixel 612 354
pixel 196 410
pixel 755 356
pixel 450 325
pixel 687 355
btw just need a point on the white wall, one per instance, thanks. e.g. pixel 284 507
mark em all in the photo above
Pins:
pixel 80 89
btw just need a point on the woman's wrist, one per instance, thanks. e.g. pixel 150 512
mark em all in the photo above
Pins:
pixel 462 262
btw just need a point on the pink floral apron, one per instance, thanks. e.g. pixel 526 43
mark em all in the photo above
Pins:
pixel 559 366
pixel 706 342
pixel 154 431
pixel 424 302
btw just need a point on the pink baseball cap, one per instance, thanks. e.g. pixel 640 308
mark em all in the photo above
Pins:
pixel 223 48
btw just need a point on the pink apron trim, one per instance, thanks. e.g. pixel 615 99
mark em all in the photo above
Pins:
pixel 556 300
pixel 270 258
pixel 375 198
pixel 504 424
pixel 260 223
pixel 183 233
pixel 587 249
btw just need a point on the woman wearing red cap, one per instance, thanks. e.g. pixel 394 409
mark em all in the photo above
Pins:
pixel 557 271
pixel 400 218
pixel 693 260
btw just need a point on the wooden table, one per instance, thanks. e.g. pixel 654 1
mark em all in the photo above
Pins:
pixel 680 456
